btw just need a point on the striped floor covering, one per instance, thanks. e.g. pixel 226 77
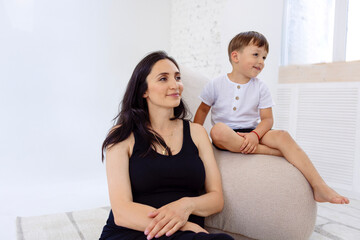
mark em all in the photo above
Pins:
pixel 77 225
pixel 334 222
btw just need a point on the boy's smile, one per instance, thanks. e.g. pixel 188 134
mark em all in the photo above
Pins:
pixel 258 68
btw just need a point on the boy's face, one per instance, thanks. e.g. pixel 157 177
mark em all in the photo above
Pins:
pixel 249 61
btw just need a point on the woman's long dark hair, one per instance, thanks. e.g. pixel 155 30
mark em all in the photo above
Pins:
pixel 134 113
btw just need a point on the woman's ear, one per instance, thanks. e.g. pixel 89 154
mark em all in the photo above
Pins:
pixel 145 95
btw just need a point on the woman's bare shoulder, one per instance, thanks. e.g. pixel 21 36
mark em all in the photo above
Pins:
pixel 198 133
pixel 125 146
pixel 197 128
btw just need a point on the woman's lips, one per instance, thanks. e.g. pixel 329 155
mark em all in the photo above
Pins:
pixel 174 95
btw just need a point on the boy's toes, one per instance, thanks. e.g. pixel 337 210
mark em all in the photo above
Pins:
pixel 340 200
pixel 337 200
pixel 323 193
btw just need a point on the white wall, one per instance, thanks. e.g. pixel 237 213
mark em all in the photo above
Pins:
pixel 201 31
pixel 196 34
pixel 64 65
pixel 63 69
pixel 263 16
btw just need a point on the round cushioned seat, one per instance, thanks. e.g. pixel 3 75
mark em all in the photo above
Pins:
pixel 265 198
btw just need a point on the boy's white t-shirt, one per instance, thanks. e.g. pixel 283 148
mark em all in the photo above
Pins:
pixel 236 105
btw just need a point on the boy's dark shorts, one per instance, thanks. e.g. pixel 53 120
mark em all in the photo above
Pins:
pixel 242 130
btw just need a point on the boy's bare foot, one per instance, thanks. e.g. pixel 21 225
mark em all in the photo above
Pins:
pixel 323 193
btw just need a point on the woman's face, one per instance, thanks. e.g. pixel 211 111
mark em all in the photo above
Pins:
pixel 164 85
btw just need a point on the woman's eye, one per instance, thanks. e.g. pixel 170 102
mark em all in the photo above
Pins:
pixel 178 78
pixel 163 79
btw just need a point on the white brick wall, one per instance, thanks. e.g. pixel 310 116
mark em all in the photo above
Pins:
pixel 195 34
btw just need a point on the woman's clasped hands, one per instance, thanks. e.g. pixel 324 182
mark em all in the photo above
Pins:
pixel 171 218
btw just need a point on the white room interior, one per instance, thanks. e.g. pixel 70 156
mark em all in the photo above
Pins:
pixel 63 69
pixel 64 66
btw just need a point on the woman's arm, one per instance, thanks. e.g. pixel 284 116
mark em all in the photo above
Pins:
pixel 212 201
pixel 126 213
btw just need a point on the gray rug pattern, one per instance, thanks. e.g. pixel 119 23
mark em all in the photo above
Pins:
pixel 337 222
pixel 334 222
pixel 77 225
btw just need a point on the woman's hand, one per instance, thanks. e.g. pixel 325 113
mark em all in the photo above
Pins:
pixel 169 218
pixel 189 226
pixel 250 143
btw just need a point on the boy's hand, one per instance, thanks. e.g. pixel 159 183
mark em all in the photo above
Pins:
pixel 250 143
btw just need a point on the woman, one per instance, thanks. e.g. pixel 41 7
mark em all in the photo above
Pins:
pixel 162 176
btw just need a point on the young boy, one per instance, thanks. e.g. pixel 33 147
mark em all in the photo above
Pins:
pixel 239 100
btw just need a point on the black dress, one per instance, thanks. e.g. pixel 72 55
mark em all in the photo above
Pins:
pixel 157 180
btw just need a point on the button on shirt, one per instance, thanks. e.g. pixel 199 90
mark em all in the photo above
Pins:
pixel 236 105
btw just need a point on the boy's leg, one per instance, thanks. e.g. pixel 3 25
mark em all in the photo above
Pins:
pixel 282 141
pixel 225 138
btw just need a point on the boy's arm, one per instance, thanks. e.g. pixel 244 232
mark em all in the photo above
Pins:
pixel 252 139
pixel 266 123
pixel 201 113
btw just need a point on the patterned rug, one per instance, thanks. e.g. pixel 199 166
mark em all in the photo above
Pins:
pixel 334 222
pixel 77 225
pixel 337 222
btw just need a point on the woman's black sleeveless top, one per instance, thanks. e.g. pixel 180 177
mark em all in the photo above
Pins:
pixel 157 180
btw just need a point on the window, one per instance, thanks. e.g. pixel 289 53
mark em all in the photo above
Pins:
pixel 353 35
pixel 318 31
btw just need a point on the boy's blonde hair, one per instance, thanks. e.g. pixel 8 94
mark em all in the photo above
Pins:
pixel 244 39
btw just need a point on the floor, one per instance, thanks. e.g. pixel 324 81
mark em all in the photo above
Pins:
pixel 338 222
pixel 334 222
pixel 28 200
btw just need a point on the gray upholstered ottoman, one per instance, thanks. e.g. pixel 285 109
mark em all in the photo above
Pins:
pixel 265 198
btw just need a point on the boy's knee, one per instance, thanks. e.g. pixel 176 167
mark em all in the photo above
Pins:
pixel 217 132
pixel 283 135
